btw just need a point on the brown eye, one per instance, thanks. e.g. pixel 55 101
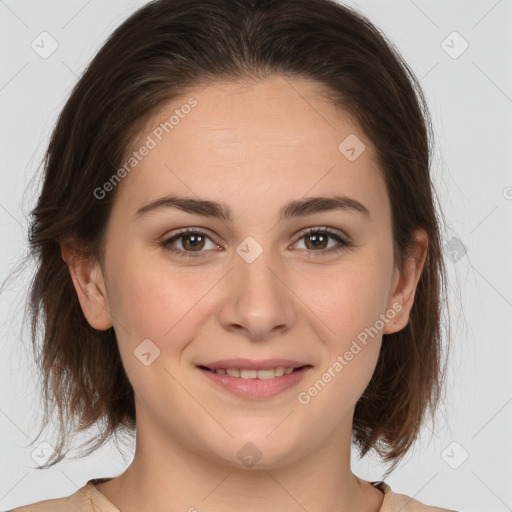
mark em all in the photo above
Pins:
pixel 317 240
pixel 192 243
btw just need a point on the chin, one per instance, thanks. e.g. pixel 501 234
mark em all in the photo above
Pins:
pixel 259 451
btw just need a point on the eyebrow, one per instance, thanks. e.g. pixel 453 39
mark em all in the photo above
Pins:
pixel 296 208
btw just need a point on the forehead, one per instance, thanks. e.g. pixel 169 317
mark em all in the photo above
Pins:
pixel 275 139
pixel 289 114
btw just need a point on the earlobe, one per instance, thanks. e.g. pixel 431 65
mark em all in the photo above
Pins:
pixel 405 284
pixel 89 284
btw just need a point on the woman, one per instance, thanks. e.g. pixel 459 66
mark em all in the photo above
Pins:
pixel 239 259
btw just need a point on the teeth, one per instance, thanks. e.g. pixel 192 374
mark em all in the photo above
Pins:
pixel 255 374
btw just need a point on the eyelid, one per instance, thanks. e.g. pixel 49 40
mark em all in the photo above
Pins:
pixel 323 229
pixel 175 233
pixel 298 234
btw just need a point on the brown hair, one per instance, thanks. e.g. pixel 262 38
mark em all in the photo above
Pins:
pixel 164 48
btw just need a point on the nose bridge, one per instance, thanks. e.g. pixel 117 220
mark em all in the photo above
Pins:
pixel 258 299
pixel 256 269
pixel 257 273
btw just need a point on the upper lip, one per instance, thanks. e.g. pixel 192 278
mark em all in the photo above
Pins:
pixel 249 364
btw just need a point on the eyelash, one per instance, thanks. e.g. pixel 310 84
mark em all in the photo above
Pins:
pixel 343 243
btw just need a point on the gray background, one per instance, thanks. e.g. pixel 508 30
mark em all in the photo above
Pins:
pixel 470 98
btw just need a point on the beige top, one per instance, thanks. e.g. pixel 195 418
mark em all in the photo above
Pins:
pixel 89 499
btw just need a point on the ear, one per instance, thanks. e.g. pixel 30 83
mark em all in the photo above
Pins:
pixel 405 283
pixel 89 284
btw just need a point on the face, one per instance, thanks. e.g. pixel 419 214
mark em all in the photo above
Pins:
pixel 254 286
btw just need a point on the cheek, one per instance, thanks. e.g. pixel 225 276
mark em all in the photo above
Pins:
pixel 348 299
pixel 350 305
pixel 155 300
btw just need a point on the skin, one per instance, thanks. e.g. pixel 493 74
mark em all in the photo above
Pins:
pixel 254 147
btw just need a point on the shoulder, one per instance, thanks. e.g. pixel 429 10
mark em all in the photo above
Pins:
pixel 394 502
pixel 57 505
pixel 77 502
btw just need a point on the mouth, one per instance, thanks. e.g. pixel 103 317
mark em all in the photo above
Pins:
pixel 254 381
pixel 247 373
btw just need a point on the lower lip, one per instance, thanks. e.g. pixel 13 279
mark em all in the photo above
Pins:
pixel 256 388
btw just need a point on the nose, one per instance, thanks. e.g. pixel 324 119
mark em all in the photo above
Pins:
pixel 257 301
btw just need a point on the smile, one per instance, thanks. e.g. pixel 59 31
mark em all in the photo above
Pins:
pixel 254 374
pixel 255 384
